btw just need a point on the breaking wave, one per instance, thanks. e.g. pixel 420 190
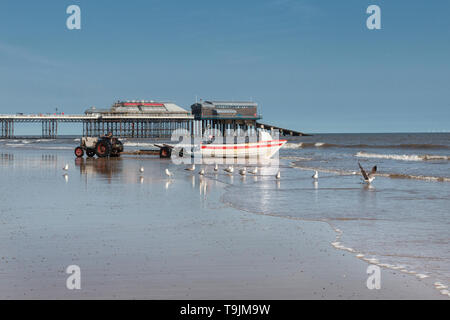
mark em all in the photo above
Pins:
pixel 298 165
pixel 300 145
pixel 403 157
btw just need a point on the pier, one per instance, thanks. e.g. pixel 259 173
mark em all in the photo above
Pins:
pixel 149 119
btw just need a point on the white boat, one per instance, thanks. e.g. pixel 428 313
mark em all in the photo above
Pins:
pixel 266 147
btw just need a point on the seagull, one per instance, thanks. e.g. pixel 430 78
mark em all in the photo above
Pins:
pixel 316 175
pixel 192 168
pixel 230 169
pixel 368 178
pixel 243 171
pixel 66 167
pixel 168 173
pixel 278 175
pixel 141 169
pixel 202 172
pixel 216 167
pixel 254 171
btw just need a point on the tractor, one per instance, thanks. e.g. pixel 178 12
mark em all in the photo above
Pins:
pixel 103 146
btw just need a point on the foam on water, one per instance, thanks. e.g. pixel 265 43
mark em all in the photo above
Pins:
pixel 403 157
pixel 443 289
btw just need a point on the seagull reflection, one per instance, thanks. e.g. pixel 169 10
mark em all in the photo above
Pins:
pixel 167 185
pixel 193 182
pixel 141 179
pixel 369 187
pixel 278 183
pixel 66 177
pixel 203 187
pixel 316 190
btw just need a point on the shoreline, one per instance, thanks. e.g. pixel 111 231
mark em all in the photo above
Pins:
pixel 193 246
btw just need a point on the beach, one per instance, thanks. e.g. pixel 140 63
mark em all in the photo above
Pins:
pixel 144 236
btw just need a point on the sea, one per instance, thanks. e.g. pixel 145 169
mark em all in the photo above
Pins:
pixel 400 222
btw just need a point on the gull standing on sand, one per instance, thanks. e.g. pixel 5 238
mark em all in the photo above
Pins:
pixel 278 175
pixel 230 169
pixel 141 169
pixel 168 173
pixel 368 178
pixel 202 172
pixel 66 167
pixel 316 175
pixel 243 171
pixel 192 168
pixel 254 171
pixel 216 167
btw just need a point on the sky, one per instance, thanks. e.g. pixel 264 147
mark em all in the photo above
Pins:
pixel 312 65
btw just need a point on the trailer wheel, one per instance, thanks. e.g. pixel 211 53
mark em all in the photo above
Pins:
pixel 79 152
pixel 90 153
pixel 165 152
pixel 103 149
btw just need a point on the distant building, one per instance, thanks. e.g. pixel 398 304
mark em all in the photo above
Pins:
pixel 239 116
pixel 225 110
pixel 143 108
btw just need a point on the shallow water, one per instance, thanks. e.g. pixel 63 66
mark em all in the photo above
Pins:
pixel 401 222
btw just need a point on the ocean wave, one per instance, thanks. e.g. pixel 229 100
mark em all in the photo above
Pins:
pixel 301 145
pixel 386 175
pixel 293 145
pixel 403 157
pixel 45 140
pixel 294 158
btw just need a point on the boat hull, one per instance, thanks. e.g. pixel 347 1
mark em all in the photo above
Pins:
pixel 262 149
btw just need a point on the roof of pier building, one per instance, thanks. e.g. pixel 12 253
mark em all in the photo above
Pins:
pixel 141 107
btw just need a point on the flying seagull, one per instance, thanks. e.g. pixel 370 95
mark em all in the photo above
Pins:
pixel 316 175
pixel 368 178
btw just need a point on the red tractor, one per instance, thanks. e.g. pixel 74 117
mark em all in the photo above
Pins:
pixel 104 146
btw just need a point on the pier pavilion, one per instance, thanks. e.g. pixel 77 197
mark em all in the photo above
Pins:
pixel 224 116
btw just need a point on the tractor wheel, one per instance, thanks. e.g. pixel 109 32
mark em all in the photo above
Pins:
pixel 103 149
pixel 90 153
pixel 79 152
pixel 165 152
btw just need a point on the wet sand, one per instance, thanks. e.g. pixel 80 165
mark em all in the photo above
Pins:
pixel 142 236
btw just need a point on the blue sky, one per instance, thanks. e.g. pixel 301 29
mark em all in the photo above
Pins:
pixel 312 65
